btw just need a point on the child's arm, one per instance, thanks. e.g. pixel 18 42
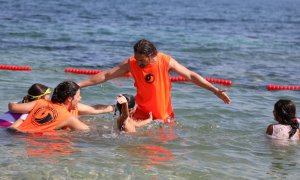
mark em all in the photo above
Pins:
pixel 73 123
pixel 124 112
pixel 16 124
pixel 269 130
pixel 84 109
pixel 21 107
pixel 139 123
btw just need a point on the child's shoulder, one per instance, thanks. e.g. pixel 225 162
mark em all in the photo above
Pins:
pixel 269 130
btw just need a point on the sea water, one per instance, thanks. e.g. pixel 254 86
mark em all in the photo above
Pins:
pixel 253 43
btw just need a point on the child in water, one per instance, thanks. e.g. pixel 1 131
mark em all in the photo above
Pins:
pixel 126 107
pixel 36 91
pixel 288 124
pixel 65 102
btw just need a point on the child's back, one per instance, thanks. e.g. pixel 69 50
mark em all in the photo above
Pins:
pixel 288 125
pixel 280 131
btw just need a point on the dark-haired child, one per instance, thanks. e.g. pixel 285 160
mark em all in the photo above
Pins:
pixel 288 124
pixel 35 92
pixel 126 107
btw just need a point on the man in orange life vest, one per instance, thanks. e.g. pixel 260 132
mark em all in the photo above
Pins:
pixel 150 70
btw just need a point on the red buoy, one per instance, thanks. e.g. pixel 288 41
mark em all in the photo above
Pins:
pixel 272 87
pixel 15 68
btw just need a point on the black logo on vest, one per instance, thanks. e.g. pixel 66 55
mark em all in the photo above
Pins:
pixel 149 78
pixel 44 115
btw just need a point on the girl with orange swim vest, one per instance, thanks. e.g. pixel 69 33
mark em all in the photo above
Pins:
pixel 150 70
pixel 36 91
pixel 62 111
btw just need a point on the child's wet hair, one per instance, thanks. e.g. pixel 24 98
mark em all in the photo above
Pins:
pixel 285 113
pixel 130 100
pixel 64 90
pixel 35 92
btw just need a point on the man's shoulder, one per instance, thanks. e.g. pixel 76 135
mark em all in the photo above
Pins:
pixel 160 54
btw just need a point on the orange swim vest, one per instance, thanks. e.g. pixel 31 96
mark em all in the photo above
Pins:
pixel 45 116
pixel 74 112
pixel 153 87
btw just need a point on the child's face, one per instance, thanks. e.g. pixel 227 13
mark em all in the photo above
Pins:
pixel 76 99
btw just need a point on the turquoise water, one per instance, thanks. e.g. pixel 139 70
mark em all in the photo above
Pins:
pixel 251 43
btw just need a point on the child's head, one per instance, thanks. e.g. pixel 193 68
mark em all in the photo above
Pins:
pixel 284 111
pixel 65 90
pixel 37 91
pixel 131 103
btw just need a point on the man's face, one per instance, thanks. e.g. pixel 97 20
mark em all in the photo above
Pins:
pixel 142 60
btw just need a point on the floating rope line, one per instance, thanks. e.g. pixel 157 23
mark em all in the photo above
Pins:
pixel 273 87
pixel 173 79
pixel 15 68
pixel 86 71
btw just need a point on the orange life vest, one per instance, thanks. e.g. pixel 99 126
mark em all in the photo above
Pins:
pixel 45 116
pixel 74 112
pixel 153 87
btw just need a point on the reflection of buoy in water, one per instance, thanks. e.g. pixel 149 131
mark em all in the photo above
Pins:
pixel 15 68
pixel 272 87
pixel 150 79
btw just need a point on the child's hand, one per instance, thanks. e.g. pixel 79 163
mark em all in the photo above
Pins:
pixel 121 99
